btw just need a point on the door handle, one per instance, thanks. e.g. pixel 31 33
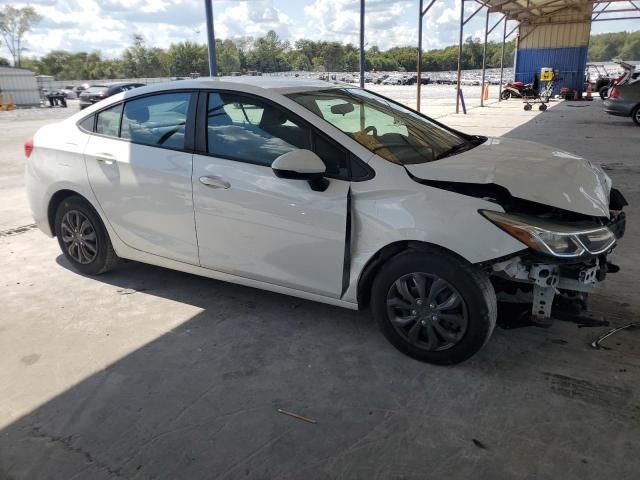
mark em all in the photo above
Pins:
pixel 215 182
pixel 106 158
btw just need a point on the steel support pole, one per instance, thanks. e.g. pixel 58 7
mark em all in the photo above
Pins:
pixel 504 38
pixel 515 54
pixel 419 65
pixel 211 38
pixel 460 56
pixel 484 57
pixel 362 44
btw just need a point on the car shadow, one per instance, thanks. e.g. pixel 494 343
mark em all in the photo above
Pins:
pixel 203 397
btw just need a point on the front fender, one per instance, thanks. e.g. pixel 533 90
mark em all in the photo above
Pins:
pixel 392 208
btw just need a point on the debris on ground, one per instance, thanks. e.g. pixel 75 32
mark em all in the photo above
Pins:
pixel 479 444
pixel 597 344
pixel 295 415
pixel 130 291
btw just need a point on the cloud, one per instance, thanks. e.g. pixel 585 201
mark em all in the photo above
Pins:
pixel 107 25
pixel 386 23
pixel 251 18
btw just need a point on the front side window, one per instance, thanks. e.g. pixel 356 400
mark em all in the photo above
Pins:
pixel 157 120
pixel 247 129
pixel 108 121
pixel 394 132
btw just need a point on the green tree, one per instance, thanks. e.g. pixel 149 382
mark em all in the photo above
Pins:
pixel 139 61
pixel 269 54
pixel 227 57
pixel 187 57
pixel 14 24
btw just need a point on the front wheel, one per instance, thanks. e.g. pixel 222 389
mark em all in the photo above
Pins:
pixel 82 237
pixel 434 307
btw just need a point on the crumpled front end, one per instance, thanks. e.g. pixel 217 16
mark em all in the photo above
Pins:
pixel 544 279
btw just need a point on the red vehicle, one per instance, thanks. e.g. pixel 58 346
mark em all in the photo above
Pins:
pixel 516 90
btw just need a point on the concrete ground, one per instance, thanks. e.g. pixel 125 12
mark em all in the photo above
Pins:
pixel 149 373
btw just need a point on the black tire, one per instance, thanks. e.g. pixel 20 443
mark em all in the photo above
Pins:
pixel 527 107
pixel 506 94
pixel 478 304
pixel 603 92
pixel 94 260
pixel 542 107
pixel 635 114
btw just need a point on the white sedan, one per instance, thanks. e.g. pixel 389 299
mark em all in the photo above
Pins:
pixel 330 193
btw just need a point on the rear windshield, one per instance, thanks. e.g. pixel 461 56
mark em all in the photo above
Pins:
pixel 387 129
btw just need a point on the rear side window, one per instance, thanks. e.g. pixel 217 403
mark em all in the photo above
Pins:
pixel 108 121
pixel 250 130
pixel 87 123
pixel 157 120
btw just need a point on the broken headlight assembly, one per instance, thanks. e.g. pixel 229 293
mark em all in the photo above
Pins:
pixel 558 240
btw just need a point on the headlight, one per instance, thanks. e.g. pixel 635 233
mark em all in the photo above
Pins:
pixel 551 238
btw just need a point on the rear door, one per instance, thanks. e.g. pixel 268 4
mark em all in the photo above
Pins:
pixel 253 224
pixel 139 166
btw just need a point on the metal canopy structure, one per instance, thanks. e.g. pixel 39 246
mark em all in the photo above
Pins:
pixel 529 15
pixel 564 11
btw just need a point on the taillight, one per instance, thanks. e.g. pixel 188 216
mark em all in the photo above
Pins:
pixel 614 93
pixel 28 147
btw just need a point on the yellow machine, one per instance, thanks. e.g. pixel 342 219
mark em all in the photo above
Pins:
pixel 546 74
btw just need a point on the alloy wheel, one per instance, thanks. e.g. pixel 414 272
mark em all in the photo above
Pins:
pixel 427 311
pixel 79 237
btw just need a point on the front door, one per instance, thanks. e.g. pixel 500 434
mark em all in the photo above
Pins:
pixel 253 224
pixel 141 175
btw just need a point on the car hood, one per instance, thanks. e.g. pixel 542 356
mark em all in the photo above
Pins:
pixel 529 171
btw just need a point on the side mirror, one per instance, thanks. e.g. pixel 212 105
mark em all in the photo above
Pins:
pixel 302 165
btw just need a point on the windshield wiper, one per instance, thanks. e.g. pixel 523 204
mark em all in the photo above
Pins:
pixel 461 147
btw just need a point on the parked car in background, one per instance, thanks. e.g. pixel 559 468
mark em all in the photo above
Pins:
pixel 69 93
pixel 95 93
pixel 81 88
pixel 624 96
pixel 331 193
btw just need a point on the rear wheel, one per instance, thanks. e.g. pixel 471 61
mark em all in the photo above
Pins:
pixel 83 238
pixel 527 106
pixel 636 115
pixel 433 307
pixel 506 94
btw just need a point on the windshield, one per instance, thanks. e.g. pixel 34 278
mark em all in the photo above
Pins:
pixel 390 130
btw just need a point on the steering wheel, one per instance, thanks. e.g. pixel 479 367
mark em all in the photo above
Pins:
pixel 371 129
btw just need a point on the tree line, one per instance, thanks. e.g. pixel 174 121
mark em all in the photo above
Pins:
pixel 264 54
pixel 606 46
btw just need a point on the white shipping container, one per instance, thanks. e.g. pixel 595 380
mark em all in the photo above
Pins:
pixel 21 84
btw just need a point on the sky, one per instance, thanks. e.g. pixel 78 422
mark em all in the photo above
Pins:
pixel 107 25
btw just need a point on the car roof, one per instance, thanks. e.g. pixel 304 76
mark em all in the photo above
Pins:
pixel 279 84
pixel 114 84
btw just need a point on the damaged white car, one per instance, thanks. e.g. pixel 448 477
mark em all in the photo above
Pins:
pixel 329 193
